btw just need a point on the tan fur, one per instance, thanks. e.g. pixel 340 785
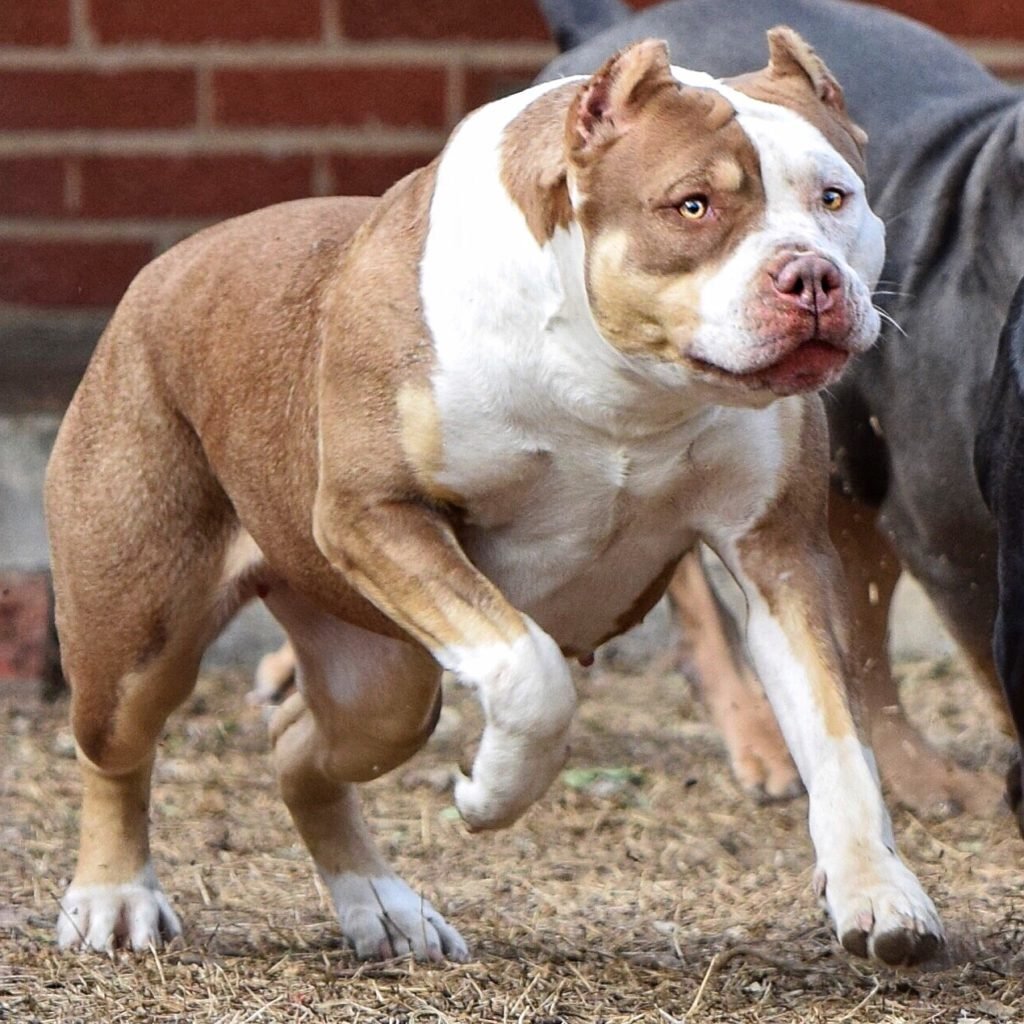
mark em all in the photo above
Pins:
pixel 642 282
pixel 422 443
pixel 796 77
pixel 218 338
pixel 733 696
pixel 917 775
pixel 534 166
pixel 114 842
pixel 797 521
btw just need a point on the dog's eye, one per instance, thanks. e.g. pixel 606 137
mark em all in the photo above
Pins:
pixel 693 207
pixel 832 199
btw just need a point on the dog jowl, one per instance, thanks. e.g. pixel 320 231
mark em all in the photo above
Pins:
pixel 474 426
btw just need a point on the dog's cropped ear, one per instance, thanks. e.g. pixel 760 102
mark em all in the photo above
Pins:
pixel 789 55
pixel 608 102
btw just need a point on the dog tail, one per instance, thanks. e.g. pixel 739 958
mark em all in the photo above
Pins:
pixel 575 21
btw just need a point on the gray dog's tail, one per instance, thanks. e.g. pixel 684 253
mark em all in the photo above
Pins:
pixel 575 21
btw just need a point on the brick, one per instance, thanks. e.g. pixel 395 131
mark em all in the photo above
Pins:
pixel 193 186
pixel 24 625
pixel 1009 71
pixel 443 19
pixel 372 174
pixel 31 187
pixel 201 21
pixel 486 84
pixel 35 22
pixel 33 99
pixel 68 272
pixel 982 19
pixel 319 97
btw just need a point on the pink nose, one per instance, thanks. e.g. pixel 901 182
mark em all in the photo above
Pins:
pixel 810 282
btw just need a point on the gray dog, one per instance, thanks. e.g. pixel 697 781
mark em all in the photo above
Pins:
pixel 946 172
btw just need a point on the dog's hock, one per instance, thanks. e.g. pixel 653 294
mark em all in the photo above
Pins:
pixel 528 699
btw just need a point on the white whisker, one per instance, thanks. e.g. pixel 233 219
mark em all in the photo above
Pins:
pixel 885 316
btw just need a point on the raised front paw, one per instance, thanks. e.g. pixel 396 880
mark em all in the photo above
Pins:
pixel 510 773
pixel 381 917
pixel 879 910
pixel 528 699
pixel 134 916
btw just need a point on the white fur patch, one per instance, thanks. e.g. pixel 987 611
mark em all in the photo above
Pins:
pixel 797 163
pixel 135 915
pixel 867 888
pixel 528 699
pixel 382 918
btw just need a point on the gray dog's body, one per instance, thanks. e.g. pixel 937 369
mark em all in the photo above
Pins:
pixel 946 173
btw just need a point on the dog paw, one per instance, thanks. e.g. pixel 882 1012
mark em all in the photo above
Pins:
pixel 381 917
pixel 509 775
pixel 758 755
pixel 528 699
pixel 135 916
pixel 882 913
pixel 923 781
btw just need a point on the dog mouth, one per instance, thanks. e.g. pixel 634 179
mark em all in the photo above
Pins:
pixel 810 366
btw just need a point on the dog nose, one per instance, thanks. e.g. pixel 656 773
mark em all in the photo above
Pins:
pixel 810 282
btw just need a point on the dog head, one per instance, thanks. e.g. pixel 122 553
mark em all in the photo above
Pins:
pixel 725 224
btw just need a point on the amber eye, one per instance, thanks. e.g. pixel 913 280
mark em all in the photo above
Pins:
pixel 693 207
pixel 832 198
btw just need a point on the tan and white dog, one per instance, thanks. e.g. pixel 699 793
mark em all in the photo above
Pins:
pixel 474 426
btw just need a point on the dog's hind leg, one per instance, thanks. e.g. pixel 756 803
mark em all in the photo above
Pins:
pixel 138 533
pixel 916 774
pixel 711 651
pixel 365 703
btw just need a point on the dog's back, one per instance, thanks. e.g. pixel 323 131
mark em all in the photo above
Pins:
pixel 210 308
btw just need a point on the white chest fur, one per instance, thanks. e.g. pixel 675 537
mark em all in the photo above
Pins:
pixel 584 472
pixel 582 524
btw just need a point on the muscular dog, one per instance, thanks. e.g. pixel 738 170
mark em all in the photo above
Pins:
pixel 474 426
pixel 946 174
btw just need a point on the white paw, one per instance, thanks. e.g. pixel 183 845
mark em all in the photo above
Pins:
pixel 880 911
pixel 382 918
pixel 106 917
pixel 528 698
pixel 510 773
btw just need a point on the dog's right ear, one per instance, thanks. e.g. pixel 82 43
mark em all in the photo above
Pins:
pixel 608 102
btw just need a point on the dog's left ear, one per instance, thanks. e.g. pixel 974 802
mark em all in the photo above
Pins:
pixel 789 55
pixel 608 102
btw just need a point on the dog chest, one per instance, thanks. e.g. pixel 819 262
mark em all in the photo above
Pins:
pixel 574 526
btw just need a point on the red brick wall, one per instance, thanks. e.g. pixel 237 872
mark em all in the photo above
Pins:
pixel 126 124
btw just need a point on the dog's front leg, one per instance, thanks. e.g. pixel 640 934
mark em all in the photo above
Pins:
pixel 404 557
pixel 797 636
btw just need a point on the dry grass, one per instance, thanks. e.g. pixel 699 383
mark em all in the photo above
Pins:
pixel 649 895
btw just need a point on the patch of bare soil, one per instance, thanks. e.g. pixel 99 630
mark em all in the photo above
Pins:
pixel 643 888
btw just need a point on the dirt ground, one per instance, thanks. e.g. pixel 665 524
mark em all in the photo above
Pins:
pixel 643 888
